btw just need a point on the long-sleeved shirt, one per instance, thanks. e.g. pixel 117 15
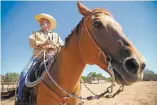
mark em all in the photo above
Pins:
pixel 39 37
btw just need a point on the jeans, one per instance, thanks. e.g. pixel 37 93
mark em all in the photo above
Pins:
pixel 22 79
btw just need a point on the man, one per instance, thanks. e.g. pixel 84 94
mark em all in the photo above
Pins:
pixel 41 40
pixel 45 39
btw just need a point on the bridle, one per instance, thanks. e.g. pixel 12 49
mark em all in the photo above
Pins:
pixel 110 69
pixel 106 56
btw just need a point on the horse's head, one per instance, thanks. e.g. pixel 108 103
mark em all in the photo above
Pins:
pixel 102 41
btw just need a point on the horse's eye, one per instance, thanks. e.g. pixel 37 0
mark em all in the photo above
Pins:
pixel 97 24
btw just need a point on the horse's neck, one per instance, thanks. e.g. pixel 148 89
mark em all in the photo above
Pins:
pixel 69 66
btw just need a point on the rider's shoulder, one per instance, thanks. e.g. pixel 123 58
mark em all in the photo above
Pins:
pixel 55 33
pixel 34 34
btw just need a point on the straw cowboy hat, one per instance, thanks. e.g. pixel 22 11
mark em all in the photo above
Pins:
pixel 48 17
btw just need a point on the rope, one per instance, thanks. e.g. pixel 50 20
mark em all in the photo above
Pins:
pixel 71 95
pixel 87 87
pixel 110 69
pixel 24 69
pixel 80 97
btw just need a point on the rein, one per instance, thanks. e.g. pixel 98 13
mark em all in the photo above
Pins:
pixel 80 97
pixel 110 69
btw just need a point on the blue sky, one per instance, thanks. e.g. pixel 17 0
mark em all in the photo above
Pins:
pixel 138 19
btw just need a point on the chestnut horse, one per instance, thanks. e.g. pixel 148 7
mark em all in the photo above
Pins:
pixel 97 38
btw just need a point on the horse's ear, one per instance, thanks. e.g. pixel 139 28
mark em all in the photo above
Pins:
pixel 83 9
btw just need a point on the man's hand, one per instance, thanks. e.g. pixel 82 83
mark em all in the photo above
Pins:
pixel 47 42
pixel 49 46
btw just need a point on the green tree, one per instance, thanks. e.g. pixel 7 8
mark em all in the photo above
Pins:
pixel 84 78
pixel 92 74
pixel 109 79
pixel 11 77
pixel 99 75
pixel 149 75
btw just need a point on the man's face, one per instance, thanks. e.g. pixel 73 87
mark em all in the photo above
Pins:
pixel 44 24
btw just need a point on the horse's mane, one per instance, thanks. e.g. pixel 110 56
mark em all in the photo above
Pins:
pixel 67 39
pixel 97 10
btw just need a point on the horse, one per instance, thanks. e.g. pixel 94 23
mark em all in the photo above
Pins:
pixel 98 39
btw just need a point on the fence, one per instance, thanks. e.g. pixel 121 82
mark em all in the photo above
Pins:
pixel 7 86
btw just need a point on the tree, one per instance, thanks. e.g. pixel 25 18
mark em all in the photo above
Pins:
pixel 109 79
pixel 92 74
pixel 84 78
pixel 11 77
pixel 149 75
pixel 2 78
pixel 99 75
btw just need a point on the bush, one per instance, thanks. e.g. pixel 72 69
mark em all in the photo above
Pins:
pixel 84 78
pixel 149 75
pixel 11 77
pixel 109 79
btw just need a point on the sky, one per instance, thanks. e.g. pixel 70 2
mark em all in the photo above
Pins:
pixel 138 20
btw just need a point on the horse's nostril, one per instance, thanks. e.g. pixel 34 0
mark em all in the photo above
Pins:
pixel 131 65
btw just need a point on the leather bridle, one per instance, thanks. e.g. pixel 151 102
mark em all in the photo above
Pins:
pixel 110 70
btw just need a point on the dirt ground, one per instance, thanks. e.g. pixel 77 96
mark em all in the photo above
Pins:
pixel 141 93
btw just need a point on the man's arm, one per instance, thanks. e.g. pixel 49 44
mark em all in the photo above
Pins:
pixel 35 44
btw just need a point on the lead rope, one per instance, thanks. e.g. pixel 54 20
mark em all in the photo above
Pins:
pixel 113 80
pixel 73 95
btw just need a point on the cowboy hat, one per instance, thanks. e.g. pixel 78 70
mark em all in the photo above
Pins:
pixel 48 17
